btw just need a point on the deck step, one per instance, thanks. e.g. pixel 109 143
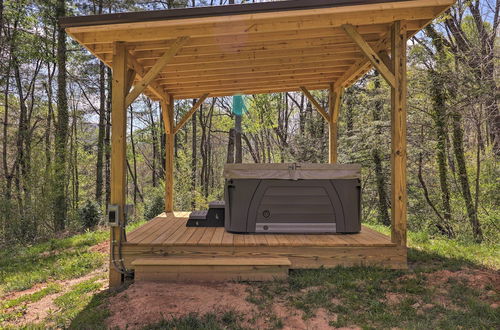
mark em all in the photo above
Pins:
pixel 213 217
pixel 216 269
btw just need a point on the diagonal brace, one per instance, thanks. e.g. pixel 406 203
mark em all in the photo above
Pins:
pixel 190 113
pixel 313 101
pixel 155 70
pixel 377 62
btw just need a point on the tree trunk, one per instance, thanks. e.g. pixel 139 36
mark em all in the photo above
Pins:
pixel 61 136
pixel 238 152
pixel 230 147
pixel 458 149
pixel 383 202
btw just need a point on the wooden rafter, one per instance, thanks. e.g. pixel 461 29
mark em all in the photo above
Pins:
pixel 155 70
pixel 361 65
pixel 153 86
pixel 315 103
pixel 370 53
pixel 190 113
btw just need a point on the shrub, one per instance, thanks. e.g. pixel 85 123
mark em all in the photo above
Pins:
pixel 154 206
pixel 89 214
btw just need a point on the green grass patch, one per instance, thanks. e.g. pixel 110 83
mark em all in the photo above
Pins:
pixel 57 259
pixel 32 297
pixel 428 251
pixel 82 306
pixel 371 297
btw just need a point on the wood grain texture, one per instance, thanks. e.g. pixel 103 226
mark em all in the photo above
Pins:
pixel 170 229
pixel 398 135
pixel 169 155
pixel 219 46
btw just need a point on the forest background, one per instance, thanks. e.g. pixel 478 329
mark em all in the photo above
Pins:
pixel 55 129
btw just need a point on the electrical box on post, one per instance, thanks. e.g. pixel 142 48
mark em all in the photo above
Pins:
pixel 114 215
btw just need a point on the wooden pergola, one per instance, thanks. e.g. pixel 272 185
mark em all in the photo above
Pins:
pixel 252 49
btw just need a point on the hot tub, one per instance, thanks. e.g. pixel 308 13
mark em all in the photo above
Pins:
pixel 292 198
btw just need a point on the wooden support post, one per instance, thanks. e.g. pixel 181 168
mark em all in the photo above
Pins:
pixel 118 147
pixel 168 120
pixel 334 102
pixel 398 135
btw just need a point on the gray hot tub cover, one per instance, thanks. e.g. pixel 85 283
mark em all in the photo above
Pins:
pixel 292 171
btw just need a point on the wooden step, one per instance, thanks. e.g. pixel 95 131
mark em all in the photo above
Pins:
pixel 216 269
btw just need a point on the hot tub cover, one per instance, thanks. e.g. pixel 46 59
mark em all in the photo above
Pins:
pixel 292 171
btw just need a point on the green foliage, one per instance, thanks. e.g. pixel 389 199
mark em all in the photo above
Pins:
pixel 57 259
pixel 154 204
pixel 89 214
pixel 80 299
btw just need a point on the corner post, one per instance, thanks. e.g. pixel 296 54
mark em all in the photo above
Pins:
pixel 118 148
pixel 168 118
pixel 334 102
pixel 398 135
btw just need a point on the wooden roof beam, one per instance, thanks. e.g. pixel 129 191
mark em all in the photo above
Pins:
pixel 361 65
pixel 155 70
pixel 153 86
pixel 293 82
pixel 370 54
pixel 161 30
pixel 190 113
pixel 313 101
pixel 255 90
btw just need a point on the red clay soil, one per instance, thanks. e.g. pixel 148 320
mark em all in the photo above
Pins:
pixel 148 303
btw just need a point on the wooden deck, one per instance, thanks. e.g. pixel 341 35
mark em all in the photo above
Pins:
pixel 167 235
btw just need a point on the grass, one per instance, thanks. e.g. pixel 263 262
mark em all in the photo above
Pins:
pixel 22 268
pixel 451 253
pixel 46 263
pixel 367 297
pixel 371 297
pixel 58 259
pixel 80 306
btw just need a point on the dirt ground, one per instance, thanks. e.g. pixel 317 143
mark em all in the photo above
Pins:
pixel 144 303
pixel 147 302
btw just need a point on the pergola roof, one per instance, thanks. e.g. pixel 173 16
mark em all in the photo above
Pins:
pixel 252 48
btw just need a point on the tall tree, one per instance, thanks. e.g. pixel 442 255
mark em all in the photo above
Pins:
pixel 61 136
pixel 383 201
pixel 437 77
pixel 102 125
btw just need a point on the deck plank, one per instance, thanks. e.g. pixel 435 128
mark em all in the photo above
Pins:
pixel 217 237
pixel 227 239
pixel 197 236
pixel 175 235
pixel 169 229
pixel 158 224
pixel 173 225
pixel 205 240
pixel 239 239
pixel 250 240
pixel 186 235
pixel 271 239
